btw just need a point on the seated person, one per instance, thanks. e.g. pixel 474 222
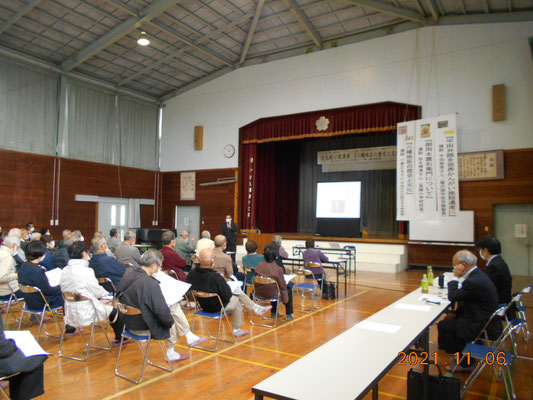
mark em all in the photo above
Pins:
pixel 185 248
pixel 29 383
pixel 64 234
pixel 8 273
pixel 114 241
pixel 204 243
pixel 105 266
pixel 172 260
pixel 127 253
pixel 78 278
pixel 139 289
pixel 223 263
pixel 32 274
pixel 108 252
pixel 251 259
pixel 315 256
pixel 45 231
pixel 61 255
pixel 477 299
pixel 490 250
pixel 48 261
pixel 205 279
pixel 270 269
pixel 281 253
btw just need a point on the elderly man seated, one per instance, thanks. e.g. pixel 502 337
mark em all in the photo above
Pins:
pixel 185 248
pixel 78 278
pixel 223 263
pixel 105 266
pixel 205 242
pixel 127 253
pixel 139 289
pixel 8 273
pixel 172 260
pixel 205 279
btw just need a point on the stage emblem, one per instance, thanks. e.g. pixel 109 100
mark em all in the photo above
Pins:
pixel 322 123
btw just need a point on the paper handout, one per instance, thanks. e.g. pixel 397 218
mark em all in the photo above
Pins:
pixel 173 289
pixel 26 343
pixel 54 276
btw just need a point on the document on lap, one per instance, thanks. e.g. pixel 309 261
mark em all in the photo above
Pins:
pixel 235 286
pixel 288 278
pixel 173 289
pixel 54 276
pixel 26 343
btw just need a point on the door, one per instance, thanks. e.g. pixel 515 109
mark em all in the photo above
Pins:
pixel 514 228
pixel 188 218
pixel 112 215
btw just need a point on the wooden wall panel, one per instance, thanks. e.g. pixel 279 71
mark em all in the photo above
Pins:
pixel 26 191
pixel 215 201
pixel 482 196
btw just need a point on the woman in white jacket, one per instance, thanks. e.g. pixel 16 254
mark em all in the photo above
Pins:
pixel 77 277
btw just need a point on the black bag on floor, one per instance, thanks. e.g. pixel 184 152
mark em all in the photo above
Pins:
pixel 328 291
pixel 440 387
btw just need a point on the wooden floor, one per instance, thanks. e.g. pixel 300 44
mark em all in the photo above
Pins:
pixel 231 372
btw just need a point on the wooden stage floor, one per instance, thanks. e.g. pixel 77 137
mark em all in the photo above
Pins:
pixel 231 372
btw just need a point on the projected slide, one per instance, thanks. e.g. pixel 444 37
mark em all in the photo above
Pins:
pixel 338 200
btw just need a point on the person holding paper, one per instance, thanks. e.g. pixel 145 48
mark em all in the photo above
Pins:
pixel 205 279
pixel 32 274
pixel 270 269
pixel 477 299
pixel 78 278
pixel 138 288
pixel 29 383
pixel 8 274
pixel 172 260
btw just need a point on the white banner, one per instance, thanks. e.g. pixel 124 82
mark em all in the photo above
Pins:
pixel 405 170
pixel 447 166
pixel 426 192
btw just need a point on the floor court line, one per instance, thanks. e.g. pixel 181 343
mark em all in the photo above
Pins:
pixel 157 378
pixel 272 350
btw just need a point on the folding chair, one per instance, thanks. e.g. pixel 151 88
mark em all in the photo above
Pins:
pixel 103 281
pixel 172 273
pixel 70 298
pixel 521 312
pixel 11 301
pixel 352 256
pixel 42 313
pixel 262 301
pixel 222 314
pixel 309 285
pixel 493 355
pixel 129 310
pixel 249 273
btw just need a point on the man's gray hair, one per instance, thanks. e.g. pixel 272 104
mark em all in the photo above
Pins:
pixel 206 235
pixel 277 239
pixel 97 243
pixel 66 232
pixel 71 239
pixel 150 257
pixel 467 257
pixel 77 235
pixel 11 240
pixel 184 233
pixel 15 232
pixel 35 236
pixel 128 235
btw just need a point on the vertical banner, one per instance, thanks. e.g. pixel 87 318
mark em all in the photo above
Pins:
pixel 447 165
pixel 405 170
pixel 426 192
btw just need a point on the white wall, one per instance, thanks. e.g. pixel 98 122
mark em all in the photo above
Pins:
pixel 459 63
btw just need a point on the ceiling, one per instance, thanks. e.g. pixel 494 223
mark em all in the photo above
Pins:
pixel 193 41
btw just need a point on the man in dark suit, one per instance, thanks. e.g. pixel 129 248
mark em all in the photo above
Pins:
pixel 229 229
pixel 477 300
pixel 497 269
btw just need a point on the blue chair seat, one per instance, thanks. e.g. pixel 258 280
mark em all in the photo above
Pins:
pixel 40 311
pixel 481 352
pixel 215 315
pixel 140 338
pixel 305 286
pixel 522 308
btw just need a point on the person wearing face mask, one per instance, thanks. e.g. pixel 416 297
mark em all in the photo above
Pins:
pixel 78 278
pixel 48 261
pixel 497 269
pixel 229 229
pixel 30 228
pixel 8 274
pixel 477 300
pixel 32 274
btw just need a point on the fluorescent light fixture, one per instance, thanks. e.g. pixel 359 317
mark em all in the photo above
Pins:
pixel 143 39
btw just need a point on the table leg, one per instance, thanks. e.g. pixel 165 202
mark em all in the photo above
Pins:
pixel 375 392
pixel 258 396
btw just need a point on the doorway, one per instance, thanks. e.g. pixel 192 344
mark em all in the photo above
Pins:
pixel 514 228
pixel 113 215
pixel 188 218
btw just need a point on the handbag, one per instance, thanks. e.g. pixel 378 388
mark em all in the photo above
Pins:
pixel 439 387
pixel 328 291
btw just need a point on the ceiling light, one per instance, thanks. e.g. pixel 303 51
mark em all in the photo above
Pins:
pixel 143 39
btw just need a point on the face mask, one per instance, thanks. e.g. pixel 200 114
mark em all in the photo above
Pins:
pixel 52 243
pixel 31 230
pixel 82 239
pixel 228 220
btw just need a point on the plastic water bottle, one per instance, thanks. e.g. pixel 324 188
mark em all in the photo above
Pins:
pixel 425 284
pixel 430 276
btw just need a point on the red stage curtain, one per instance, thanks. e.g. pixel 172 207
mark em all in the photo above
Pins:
pixel 379 117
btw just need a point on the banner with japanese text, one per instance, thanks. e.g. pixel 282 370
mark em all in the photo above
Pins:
pixel 405 170
pixel 447 166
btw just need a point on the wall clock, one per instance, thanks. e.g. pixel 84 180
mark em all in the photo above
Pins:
pixel 229 151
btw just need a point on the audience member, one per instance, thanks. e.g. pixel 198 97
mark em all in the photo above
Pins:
pixel 99 234
pixel 105 266
pixel 45 231
pixel 252 258
pixel 222 262
pixel 64 234
pixel 270 269
pixel 32 274
pixel 35 236
pixel 229 229
pixel 127 253
pixel 30 228
pixel 204 243
pixel 8 272
pixel 205 279
pixel 490 250
pixel 48 261
pixel 61 255
pixel 315 256
pixel 28 382
pixel 281 253
pixel 139 289
pixel 20 257
pixel 24 239
pixel 172 261
pixel 477 299
pixel 78 278
pixel 185 248
pixel 114 241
